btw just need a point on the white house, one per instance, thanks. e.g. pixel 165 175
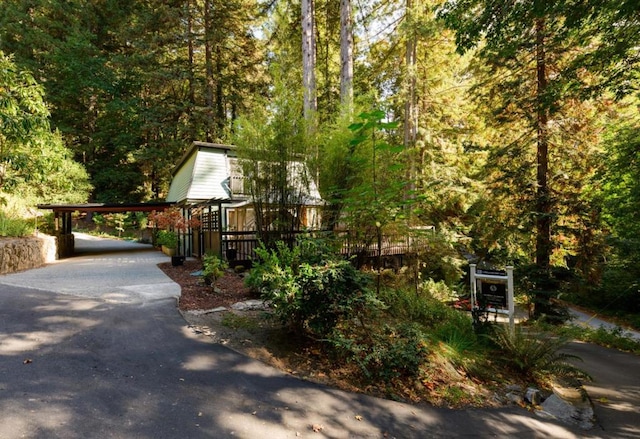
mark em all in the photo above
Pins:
pixel 208 183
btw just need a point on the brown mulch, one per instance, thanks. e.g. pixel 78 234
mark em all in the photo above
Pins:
pixel 196 295
pixel 264 340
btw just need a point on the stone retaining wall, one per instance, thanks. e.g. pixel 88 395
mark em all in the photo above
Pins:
pixel 18 254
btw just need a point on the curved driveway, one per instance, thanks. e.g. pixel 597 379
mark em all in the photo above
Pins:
pixel 93 347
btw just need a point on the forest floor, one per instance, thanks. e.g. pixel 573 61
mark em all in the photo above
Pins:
pixel 259 335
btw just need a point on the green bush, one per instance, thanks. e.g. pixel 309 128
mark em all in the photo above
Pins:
pixel 385 352
pixel 15 227
pixel 440 261
pixel 167 238
pixel 615 338
pixel 314 295
pixel 212 268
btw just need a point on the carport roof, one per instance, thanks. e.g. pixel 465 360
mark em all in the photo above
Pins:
pixel 107 207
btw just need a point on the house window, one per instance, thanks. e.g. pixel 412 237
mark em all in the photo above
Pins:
pixel 237 177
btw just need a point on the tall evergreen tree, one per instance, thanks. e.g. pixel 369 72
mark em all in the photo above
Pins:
pixel 128 81
pixel 528 54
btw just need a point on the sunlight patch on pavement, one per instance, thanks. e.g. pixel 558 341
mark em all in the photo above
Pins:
pixel 49 417
pixel 69 305
pixel 200 362
pixel 18 342
pixel 243 425
pixel 257 368
pixel 25 341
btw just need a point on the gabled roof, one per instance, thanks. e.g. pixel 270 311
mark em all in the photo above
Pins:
pixel 208 172
pixel 202 174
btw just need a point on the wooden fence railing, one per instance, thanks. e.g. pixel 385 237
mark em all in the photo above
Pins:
pixel 240 246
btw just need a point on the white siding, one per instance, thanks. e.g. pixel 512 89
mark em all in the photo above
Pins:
pixel 181 182
pixel 209 175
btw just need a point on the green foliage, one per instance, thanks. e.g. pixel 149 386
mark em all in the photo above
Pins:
pixel 308 292
pixel 128 110
pixel 371 199
pixel 536 354
pixel 615 338
pixel 621 206
pixel 213 268
pixel 404 304
pixel 235 321
pixel 36 166
pixel 11 226
pixel 543 154
pixel 385 352
pixel 439 258
pixel 167 238
pixel 542 288
pixel 273 150
pixel 459 345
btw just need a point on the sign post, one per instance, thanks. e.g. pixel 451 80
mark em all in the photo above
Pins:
pixel 494 290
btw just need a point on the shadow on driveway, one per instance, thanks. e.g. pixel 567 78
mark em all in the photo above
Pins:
pixel 77 363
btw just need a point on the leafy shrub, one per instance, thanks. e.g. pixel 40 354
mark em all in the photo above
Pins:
pixel 314 295
pixel 439 260
pixel 385 352
pixel 273 272
pixel 15 227
pixel 330 292
pixel 212 268
pixel 615 337
pixel 167 238
pixel 542 288
pixel 439 290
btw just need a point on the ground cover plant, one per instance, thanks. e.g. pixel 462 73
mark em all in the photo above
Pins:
pixel 402 342
pixel 14 226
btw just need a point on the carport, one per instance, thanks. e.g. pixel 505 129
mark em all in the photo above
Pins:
pixel 62 218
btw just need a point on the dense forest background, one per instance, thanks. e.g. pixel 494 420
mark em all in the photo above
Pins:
pixel 511 127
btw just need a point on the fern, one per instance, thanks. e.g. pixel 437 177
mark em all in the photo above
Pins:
pixel 537 354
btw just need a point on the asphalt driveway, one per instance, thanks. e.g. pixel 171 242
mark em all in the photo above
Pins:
pixel 93 347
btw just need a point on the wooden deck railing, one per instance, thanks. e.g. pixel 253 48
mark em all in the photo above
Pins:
pixel 240 246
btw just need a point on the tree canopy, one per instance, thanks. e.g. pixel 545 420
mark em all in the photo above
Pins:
pixel 513 132
pixel 34 162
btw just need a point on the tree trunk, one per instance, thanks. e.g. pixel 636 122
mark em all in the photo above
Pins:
pixel 544 288
pixel 543 201
pixel 410 104
pixel 346 55
pixel 309 61
pixel 208 56
pixel 410 108
pixel 220 104
pixel 191 71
